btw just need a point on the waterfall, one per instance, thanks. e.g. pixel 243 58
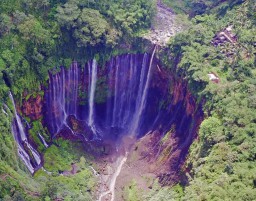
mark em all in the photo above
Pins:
pixel 92 86
pixel 62 97
pixel 18 120
pixel 116 94
pixel 142 96
pixel 127 81
pixel 5 112
pixel 6 108
pixel 43 140
pixel 21 140
pixel 28 125
pixel 25 158
pixel 127 71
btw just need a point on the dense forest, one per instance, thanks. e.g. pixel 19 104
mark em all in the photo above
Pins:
pixel 36 36
pixel 40 36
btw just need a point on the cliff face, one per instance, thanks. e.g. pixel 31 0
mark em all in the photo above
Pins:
pixel 167 145
pixel 32 107
pixel 134 96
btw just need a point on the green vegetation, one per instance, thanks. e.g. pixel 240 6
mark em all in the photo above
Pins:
pixel 132 192
pixel 36 36
pixel 16 183
pixel 160 193
pixel 222 160
pixel 37 128
pixel 59 160
pixel 195 7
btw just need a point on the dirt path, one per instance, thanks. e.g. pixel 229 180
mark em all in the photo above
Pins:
pixel 164 26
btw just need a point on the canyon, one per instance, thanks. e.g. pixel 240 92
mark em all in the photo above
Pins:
pixel 130 110
pixel 127 100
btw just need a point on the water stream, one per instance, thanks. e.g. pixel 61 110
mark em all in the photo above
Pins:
pixel 112 183
pixel 43 140
pixel 5 112
pixel 20 137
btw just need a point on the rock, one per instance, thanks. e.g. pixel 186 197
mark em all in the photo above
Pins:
pixel 32 107
pixel 164 22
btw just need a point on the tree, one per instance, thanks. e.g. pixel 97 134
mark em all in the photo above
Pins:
pixel 32 30
pixel 88 26
pixel 91 29
pixel 5 24
pixel 67 15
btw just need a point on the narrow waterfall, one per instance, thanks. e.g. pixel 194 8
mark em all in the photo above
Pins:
pixel 43 140
pixel 24 148
pixel 17 118
pixel 92 86
pixel 27 124
pixel 5 112
pixel 116 94
pixel 6 109
pixel 142 96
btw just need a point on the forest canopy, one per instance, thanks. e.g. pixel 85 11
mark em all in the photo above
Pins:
pixel 39 36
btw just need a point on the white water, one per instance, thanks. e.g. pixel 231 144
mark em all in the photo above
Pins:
pixel 43 140
pixel 142 96
pixel 25 158
pixel 7 109
pixel 49 173
pixel 116 96
pixel 111 191
pixel 28 125
pixel 130 94
pixel 94 171
pixel 5 112
pixel 20 126
pixel 20 133
pixel 92 87
pixel 34 153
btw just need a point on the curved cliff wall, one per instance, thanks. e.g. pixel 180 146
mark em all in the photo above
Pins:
pixel 131 95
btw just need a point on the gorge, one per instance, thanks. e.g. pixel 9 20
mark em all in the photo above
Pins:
pixel 127 100
pixel 112 106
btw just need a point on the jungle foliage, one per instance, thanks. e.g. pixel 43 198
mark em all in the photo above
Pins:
pixel 36 36
pixel 17 184
pixel 221 162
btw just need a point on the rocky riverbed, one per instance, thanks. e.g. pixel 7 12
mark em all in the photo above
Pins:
pixel 164 26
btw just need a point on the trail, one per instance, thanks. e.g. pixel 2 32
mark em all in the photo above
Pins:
pixel 121 160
